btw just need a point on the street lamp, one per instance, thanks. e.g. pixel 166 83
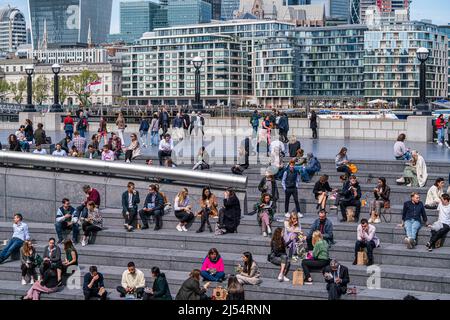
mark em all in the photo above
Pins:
pixel 29 106
pixel 198 63
pixel 422 55
pixel 56 107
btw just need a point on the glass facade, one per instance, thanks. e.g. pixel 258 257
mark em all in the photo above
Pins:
pixel 183 12
pixel 68 20
pixel 446 30
pixel 13 29
pixel 216 6
pixel 340 9
pixel 228 7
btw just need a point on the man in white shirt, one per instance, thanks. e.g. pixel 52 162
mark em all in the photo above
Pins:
pixel 59 152
pixel 20 234
pixel 133 282
pixel 39 150
pixel 366 238
pixel 165 148
pixel 443 223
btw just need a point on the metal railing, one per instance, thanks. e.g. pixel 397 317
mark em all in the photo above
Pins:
pixel 124 169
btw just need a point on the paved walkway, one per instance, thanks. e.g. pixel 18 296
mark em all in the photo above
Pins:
pixel 323 148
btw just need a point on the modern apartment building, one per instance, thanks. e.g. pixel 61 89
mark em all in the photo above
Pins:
pixel 13 29
pixel 446 30
pixel 391 68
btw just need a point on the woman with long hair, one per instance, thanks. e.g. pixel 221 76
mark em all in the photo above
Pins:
pixel 434 194
pixel 133 150
pixel 249 272
pixel 28 258
pixel 213 267
pixel 235 289
pixel 191 290
pixel 95 142
pixel 321 190
pixel 202 159
pixel 208 205
pixel 342 162
pixel 154 129
pixel 92 223
pixel 13 143
pixel 294 237
pixel 48 284
pixel 278 254
pixel 71 256
pixel 293 146
pixel 265 211
pixel 320 256
pixel 381 193
pixel 183 209
pixel 29 132
pixel 400 150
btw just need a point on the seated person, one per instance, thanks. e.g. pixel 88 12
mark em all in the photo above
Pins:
pixel 366 238
pixel 434 194
pixel 191 290
pixel 230 214
pixel 293 237
pixel 440 229
pixel 153 206
pixel 213 267
pixel 130 201
pixel 160 289
pixel 115 145
pixel 20 234
pixel 321 190
pixel 92 223
pixel 133 282
pixel 52 254
pixel 66 219
pixel 59 152
pixel 324 226
pixel 249 272
pixel 265 212
pixel 93 285
pixel 311 167
pixel 183 210
pixel 412 216
pixel 71 257
pixel 91 153
pixel 29 262
pixel 415 173
pixel 350 197
pixel 39 150
pixel 400 150
pixel 48 284
pixel 107 154
pixel 342 162
pixel 337 279
pixel 208 205
pixel 320 256
pixel 74 152
pixel 293 146
pixel 278 254
pixel 381 193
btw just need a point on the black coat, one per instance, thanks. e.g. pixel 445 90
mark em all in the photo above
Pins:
pixel 190 290
pixel 324 187
pixel 293 148
pixel 274 191
pixel 135 201
pixel 236 295
pixel 232 213
pixel 343 275
pixel 313 122
pixel 161 288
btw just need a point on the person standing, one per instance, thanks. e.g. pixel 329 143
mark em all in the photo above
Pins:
pixel 194 120
pixel 254 122
pixel 130 201
pixel 413 215
pixel 177 127
pixel 120 123
pixel 313 124
pixel 154 130
pixel 440 127
pixel 366 238
pixel 186 123
pixel 82 125
pixel 291 184
pixel 283 127
pixel 164 119
pixel 68 125
pixel 39 135
pixel 143 131
pixel 20 234
pixel 29 130
pixel 103 130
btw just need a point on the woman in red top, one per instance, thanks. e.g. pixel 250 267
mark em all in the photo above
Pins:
pixel 68 125
pixel 440 126
pixel 102 130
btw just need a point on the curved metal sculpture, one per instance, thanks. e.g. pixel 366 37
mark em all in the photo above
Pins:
pixel 124 169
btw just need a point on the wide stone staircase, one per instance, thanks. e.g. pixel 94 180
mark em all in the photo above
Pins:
pixel 418 272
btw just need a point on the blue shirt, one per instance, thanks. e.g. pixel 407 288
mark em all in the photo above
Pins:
pixel 21 231
pixel 413 211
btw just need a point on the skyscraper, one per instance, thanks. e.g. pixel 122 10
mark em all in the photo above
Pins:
pixel 68 20
pixel 183 12
pixel 216 6
pixel 136 17
pixel 228 7
pixel 340 9
pixel 13 29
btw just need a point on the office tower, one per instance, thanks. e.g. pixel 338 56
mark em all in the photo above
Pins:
pixel 216 6
pixel 13 29
pixel 228 7
pixel 137 17
pixel 184 12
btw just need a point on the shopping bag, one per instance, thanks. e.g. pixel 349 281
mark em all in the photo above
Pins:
pixel 350 214
pixel 297 280
pixel 362 258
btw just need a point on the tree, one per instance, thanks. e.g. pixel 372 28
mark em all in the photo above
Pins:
pixel 18 89
pixel 4 88
pixel 40 90
pixel 79 83
pixel 64 88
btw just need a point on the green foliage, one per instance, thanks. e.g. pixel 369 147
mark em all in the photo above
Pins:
pixel 4 88
pixel 40 89
pixel 78 84
pixel 18 90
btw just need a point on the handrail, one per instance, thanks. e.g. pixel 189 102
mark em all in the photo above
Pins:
pixel 126 169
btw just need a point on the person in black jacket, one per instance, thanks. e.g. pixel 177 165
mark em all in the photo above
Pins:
pixel 278 254
pixel 191 290
pixel 13 143
pixel 293 146
pixel 230 215
pixel 283 127
pixel 48 284
pixel 351 195
pixel 235 289
pixel 93 286
pixel 130 201
pixel 153 206
pixel 313 124
pixel 160 289
pixel 164 120
pixel 268 185
pixel 337 279
pixel 321 190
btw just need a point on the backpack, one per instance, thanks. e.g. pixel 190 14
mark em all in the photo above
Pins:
pixel 144 125
pixel 82 124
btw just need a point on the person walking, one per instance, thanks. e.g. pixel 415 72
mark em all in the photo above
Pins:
pixel 143 131
pixel 69 125
pixel 291 184
pixel 440 127
pixel 154 130
pixel 313 124
pixel 120 123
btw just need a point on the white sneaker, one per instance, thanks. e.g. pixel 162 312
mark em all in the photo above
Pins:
pixel 333 207
pixel 179 228
pixel 83 243
pixel 32 281
pixel 377 220
pixel 287 215
pixel 269 230
pixel 23 282
pixel 440 144
pixel 285 279
pixel 280 277
pixel 300 215
pixel 370 220
pixel 128 161
pixel 264 234
pixel 400 180
pixel 183 228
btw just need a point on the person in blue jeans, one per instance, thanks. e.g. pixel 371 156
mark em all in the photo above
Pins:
pixel 413 216
pixel 20 234
pixel 213 267
pixel 311 168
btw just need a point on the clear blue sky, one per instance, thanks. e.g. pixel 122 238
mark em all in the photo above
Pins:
pixel 436 10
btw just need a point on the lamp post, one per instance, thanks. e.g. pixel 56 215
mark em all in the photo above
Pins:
pixel 422 55
pixel 56 107
pixel 198 63
pixel 29 106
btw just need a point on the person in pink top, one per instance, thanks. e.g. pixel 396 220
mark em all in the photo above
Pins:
pixel 212 267
pixel 107 155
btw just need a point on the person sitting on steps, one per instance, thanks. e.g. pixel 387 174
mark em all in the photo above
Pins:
pixel 208 205
pixel 321 190
pixel 29 262
pixel 153 206
pixel 440 228
pixel 337 278
pixel 66 219
pixel 324 226
pixel 415 173
pixel 320 256
pixel 20 234
pixel 413 214
pixel 92 223
pixel 93 285
pixel 342 162
pixel 381 193
pixel 248 273
pixel 366 238
pixel 213 267
pixel 278 255
pixel 130 201
pixel 230 214
pixel 133 282
pixel 183 210
pixel 434 194
pixel 265 213
pixel 52 254
pixel 350 196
